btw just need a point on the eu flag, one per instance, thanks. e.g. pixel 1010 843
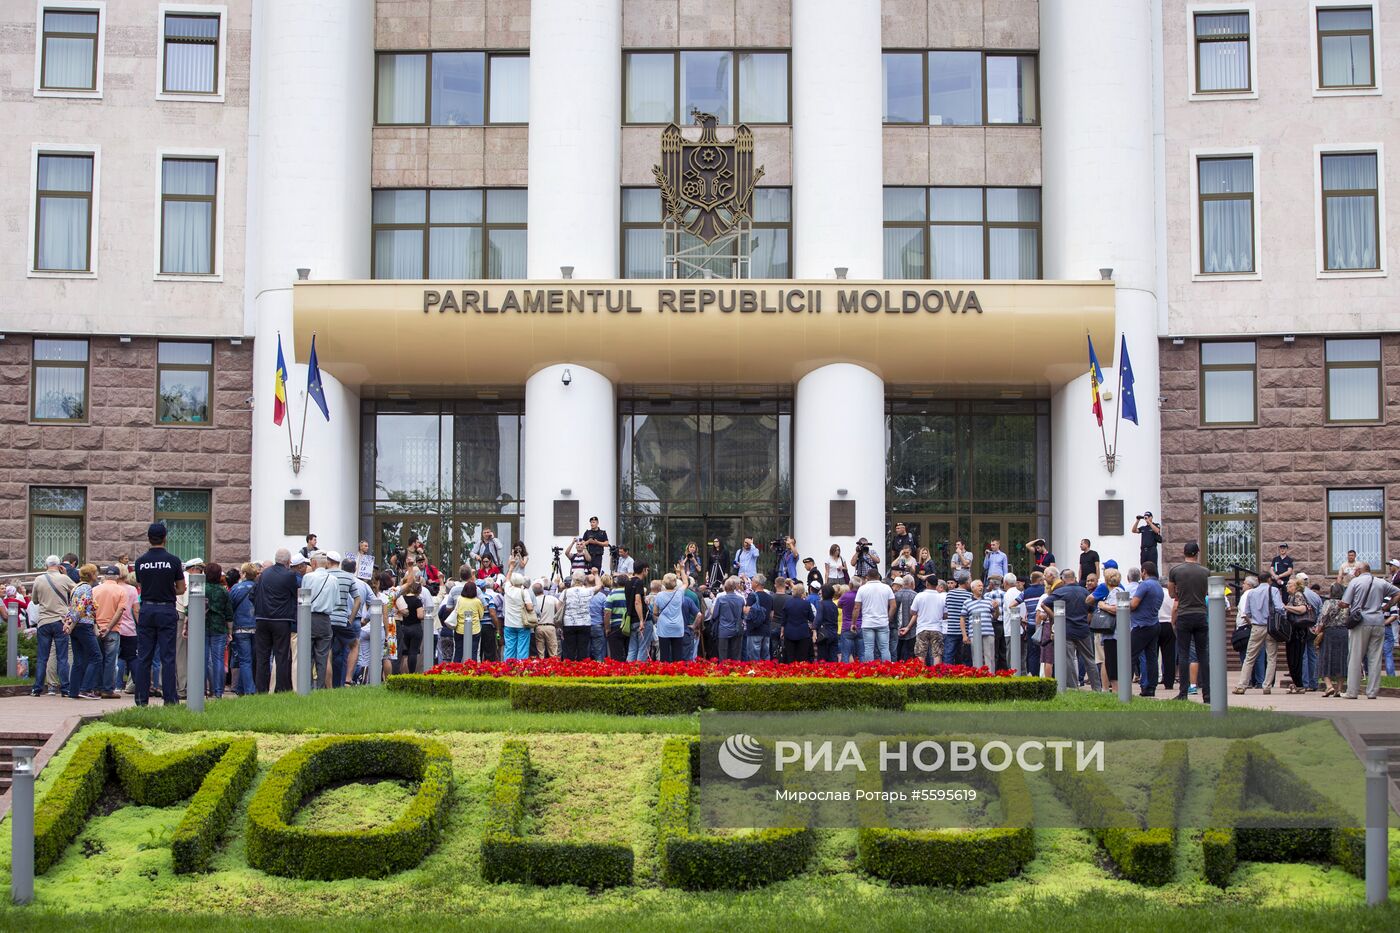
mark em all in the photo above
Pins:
pixel 313 382
pixel 1126 399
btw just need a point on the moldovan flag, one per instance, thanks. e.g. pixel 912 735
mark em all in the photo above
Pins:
pixel 1126 398
pixel 1095 380
pixel 279 393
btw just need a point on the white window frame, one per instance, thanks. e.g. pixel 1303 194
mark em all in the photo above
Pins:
pixel 222 165
pixel 198 9
pixel 75 149
pixel 1320 246
pixel 97 6
pixel 1318 89
pixel 1246 7
pixel 1197 275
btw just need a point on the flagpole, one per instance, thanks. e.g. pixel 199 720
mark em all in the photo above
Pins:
pixel 1118 409
pixel 305 397
pixel 296 465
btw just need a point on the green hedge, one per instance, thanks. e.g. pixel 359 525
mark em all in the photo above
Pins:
pixel 278 848
pixel 216 772
pixel 660 695
pixel 1147 856
pixel 978 689
pixel 453 686
pixel 1300 824
pixel 956 858
pixel 211 810
pixel 507 856
pixel 698 862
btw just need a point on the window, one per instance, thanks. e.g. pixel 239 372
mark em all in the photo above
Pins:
pixel 70 42
pixel 962 233
pixel 644 242
pixel 185 513
pixel 1222 52
pixel 1230 529
pixel 960 88
pixel 1227 382
pixel 189 51
pixel 1353 386
pixel 58 380
pixel 1225 189
pixel 737 87
pixel 1350 214
pixel 1345 48
pixel 57 522
pixel 451 88
pixel 449 233
pixel 1355 522
pixel 184 380
pixel 188 193
pixel 63 212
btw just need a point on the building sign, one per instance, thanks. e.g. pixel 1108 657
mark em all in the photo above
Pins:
pixel 638 299
pixel 706 184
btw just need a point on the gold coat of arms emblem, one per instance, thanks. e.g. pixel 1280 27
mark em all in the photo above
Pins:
pixel 707 183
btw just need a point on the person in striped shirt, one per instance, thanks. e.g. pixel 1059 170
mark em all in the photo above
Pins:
pixel 977 621
pixel 958 597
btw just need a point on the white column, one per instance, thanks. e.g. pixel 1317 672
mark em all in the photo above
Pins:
pixel 308 206
pixel 575 137
pixel 570 444
pixel 1099 211
pixel 837 138
pixel 839 427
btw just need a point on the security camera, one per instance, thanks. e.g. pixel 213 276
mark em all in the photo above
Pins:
pixel 567 378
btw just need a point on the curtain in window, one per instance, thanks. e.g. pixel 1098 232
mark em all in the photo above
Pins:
pixel 187 228
pixel 769 259
pixel 191 64
pixel 650 87
pixel 506 205
pixel 1229 396
pixel 63 221
pixel 185 536
pixel 1352 394
pixel 1223 64
pixel 1227 225
pixel 904 253
pixel 1346 61
pixel 1015 253
pixel 705 84
pixel 68 60
pixel 763 87
pixel 59 392
pixel 54 534
pixel 398 254
pixel 401 86
pixel 644 251
pixel 510 89
pixel 505 254
pixel 1351 219
pixel 454 253
pixel 1011 89
pixel 1362 535
pixel 957 252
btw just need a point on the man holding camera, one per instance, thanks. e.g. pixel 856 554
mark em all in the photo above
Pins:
pixel 786 549
pixel 865 562
pixel 1151 533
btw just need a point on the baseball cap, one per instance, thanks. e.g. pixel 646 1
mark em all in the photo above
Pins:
pixel 1110 563
pixel 1147 515
pixel 1283 547
pixel 155 530
pixel 808 560
pixel 52 561
pixel 334 555
pixel 112 570
pixel 299 560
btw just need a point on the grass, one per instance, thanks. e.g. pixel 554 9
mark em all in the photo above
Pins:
pixel 1390 681
pixel 15 681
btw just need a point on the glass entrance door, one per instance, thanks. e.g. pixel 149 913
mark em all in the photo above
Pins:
pixel 468 531
pixel 1012 532
pixel 394 533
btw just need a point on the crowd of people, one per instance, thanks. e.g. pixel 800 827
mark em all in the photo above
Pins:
pixel 123 626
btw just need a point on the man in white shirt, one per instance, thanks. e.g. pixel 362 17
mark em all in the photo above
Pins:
pixel 625 563
pixel 1373 597
pixel 1258 604
pixel 875 607
pixel 550 612
pixel 927 616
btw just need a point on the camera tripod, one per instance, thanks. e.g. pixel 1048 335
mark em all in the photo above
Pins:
pixel 554 568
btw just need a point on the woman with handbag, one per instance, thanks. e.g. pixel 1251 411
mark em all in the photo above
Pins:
pixel 81 629
pixel 1300 614
pixel 1332 637
pixel 1104 624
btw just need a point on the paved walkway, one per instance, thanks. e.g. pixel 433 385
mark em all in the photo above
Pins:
pixel 1310 703
pixel 47 714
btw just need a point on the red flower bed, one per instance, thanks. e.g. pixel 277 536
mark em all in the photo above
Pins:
pixel 557 667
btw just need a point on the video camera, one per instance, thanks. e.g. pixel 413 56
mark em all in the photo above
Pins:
pixel 777 545
pixel 557 550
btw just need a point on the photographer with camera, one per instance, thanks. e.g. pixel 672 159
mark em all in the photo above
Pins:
pixel 786 551
pixel 487 553
pixel 865 560
pixel 1151 533
pixel 578 556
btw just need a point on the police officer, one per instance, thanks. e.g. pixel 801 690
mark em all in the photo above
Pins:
pixel 161 577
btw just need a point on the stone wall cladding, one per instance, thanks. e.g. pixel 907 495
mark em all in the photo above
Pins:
pixel 121 456
pixel 1292 457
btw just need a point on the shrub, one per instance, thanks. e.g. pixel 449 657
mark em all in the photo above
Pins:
pixel 981 690
pixel 699 862
pixel 1147 856
pixel 453 686
pixel 211 810
pixel 507 856
pixel 216 771
pixel 1300 824
pixel 278 848
pixel 628 698
pixel 960 858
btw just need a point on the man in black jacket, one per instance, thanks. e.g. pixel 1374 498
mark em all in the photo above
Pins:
pixel 275 614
